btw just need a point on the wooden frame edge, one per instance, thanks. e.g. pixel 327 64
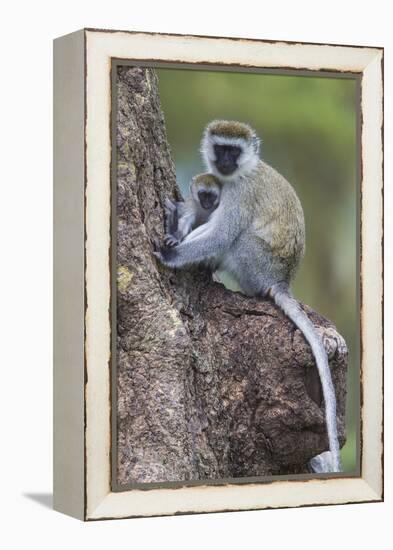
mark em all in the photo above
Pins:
pixel 98 502
pixel 69 276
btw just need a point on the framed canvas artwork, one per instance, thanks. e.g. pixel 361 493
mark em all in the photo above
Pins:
pixel 218 274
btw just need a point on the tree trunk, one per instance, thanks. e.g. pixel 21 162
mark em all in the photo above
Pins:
pixel 210 384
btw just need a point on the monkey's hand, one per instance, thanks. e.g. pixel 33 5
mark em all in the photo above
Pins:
pixel 201 246
pixel 166 256
pixel 170 240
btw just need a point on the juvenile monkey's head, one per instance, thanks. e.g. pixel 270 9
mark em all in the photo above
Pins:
pixel 206 189
pixel 229 148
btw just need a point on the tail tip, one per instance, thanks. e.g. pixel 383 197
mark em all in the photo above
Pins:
pixel 326 463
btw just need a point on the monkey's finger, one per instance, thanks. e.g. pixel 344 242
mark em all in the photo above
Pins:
pixel 170 241
pixel 167 239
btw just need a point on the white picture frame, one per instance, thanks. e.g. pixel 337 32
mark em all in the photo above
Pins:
pixel 82 397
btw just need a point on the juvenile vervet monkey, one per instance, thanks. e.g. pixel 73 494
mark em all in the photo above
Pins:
pixel 256 234
pixel 182 217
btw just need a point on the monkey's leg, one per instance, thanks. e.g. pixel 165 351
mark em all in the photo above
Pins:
pixel 171 223
pixel 185 226
pixel 170 216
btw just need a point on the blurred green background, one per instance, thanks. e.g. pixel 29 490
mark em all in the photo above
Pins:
pixel 308 127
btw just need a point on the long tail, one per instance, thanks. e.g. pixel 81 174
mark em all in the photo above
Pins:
pixel 292 309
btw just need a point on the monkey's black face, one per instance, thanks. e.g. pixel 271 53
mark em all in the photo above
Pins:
pixel 207 199
pixel 226 158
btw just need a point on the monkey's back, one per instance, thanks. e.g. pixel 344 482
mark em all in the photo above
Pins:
pixel 279 218
pixel 270 248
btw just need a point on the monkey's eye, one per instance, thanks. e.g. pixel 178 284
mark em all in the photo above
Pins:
pixel 229 151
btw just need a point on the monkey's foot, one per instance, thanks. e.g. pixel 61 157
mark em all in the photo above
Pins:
pixel 333 342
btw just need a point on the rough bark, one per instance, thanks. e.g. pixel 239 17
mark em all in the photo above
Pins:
pixel 210 384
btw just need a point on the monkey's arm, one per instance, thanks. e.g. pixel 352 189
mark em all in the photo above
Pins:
pixel 204 244
pixel 196 251
pixel 170 216
pixel 180 217
pixel 186 223
pixel 198 232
